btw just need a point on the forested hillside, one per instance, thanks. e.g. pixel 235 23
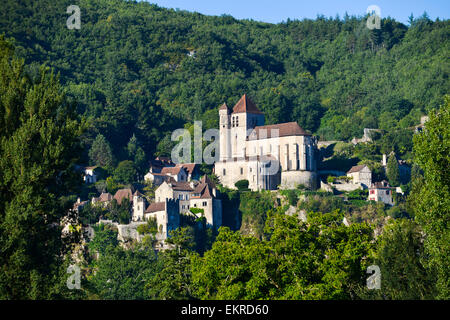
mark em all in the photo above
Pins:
pixel 129 69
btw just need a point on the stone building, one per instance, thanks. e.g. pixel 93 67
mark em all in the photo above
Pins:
pixel 167 215
pixel 267 156
pixel 195 194
pixel 381 191
pixel 361 175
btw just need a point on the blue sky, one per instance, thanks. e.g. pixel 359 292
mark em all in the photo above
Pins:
pixel 275 11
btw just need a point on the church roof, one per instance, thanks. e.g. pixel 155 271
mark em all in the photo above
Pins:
pixel 284 130
pixel 246 105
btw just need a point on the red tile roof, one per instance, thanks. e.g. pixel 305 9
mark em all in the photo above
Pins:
pixel 122 194
pixel 284 130
pixel 105 197
pixel 189 167
pixel 245 104
pixel 171 170
pixel 155 207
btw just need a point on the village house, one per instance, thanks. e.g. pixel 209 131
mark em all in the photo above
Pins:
pixel 104 199
pixel 122 194
pixel 167 216
pixel 360 174
pixel 177 173
pixel 78 206
pixel 381 191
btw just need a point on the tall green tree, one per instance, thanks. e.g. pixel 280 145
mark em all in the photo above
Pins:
pixel 100 153
pixel 432 195
pixel 39 144
pixel 392 171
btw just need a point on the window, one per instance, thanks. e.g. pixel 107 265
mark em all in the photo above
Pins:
pixel 242 171
pixel 205 203
pixel 180 197
pixel 372 191
pixel 182 207
pixel 224 172
pixel 187 197
pixel 387 191
pixel 237 121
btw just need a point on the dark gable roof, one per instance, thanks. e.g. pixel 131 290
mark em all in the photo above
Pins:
pixel 246 105
pixel 189 167
pixel 380 185
pixel 155 207
pixel 284 130
pixel 356 168
pixel 204 188
pixel 122 194
pixel 180 186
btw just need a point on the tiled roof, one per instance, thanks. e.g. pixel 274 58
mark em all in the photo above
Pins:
pixel 122 194
pixel 224 107
pixel 105 197
pixel 356 168
pixel 171 170
pixel 181 186
pixel 138 194
pixel 189 167
pixel 204 188
pixel 284 130
pixel 245 104
pixel 155 207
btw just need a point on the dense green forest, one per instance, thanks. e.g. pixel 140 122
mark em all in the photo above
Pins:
pixel 129 71
pixel 126 79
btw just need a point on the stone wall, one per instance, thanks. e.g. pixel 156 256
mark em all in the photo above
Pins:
pixel 291 179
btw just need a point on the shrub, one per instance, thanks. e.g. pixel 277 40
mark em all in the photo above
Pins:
pixel 242 185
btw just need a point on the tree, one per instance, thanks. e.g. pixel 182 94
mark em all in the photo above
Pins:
pixel 39 144
pixel 400 257
pixel 100 152
pixel 122 274
pixel 173 281
pixel 432 196
pixel 392 171
pixel 105 236
pixel 125 172
pixel 242 185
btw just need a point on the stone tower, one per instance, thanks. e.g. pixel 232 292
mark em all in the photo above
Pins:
pixel 138 206
pixel 224 129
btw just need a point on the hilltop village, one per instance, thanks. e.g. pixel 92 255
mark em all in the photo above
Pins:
pixel 172 194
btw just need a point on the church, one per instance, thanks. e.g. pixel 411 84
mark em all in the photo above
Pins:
pixel 268 156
